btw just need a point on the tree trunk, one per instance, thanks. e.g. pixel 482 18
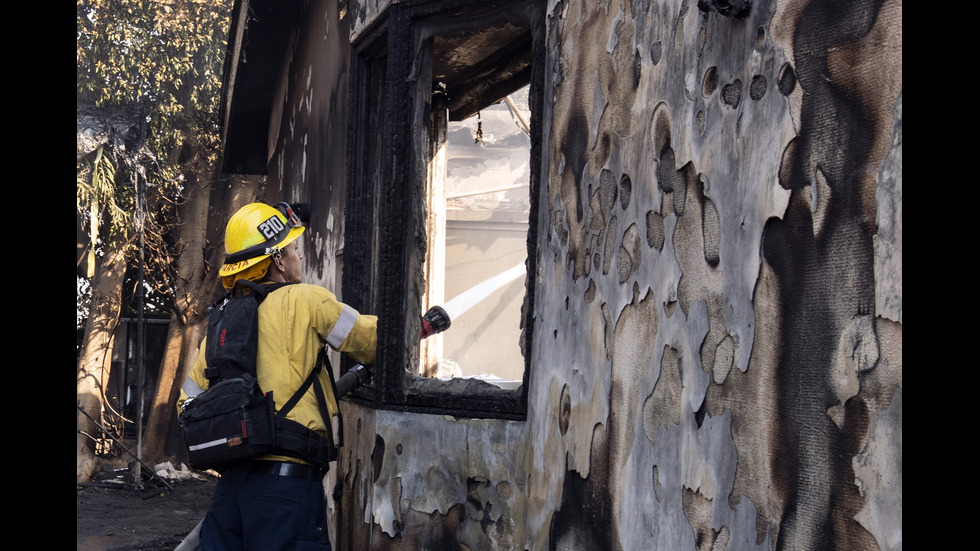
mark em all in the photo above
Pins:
pixel 205 213
pixel 193 294
pixel 183 339
pixel 96 355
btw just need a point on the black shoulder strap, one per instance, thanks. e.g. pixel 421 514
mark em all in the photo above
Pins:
pixel 322 362
pixel 318 389
pixel 261 289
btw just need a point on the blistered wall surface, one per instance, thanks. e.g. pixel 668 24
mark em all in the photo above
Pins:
pixel 717 360
pixel 725 254
pixel 418 481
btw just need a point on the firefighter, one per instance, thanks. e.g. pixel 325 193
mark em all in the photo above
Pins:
pixel 274 502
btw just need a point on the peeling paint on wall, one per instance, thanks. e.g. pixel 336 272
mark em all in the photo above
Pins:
pixel 415 493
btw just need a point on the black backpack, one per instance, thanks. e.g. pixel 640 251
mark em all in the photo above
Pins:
pixel 234 420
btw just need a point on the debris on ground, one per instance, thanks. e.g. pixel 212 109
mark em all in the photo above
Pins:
pixel 114 514
pixel 182 472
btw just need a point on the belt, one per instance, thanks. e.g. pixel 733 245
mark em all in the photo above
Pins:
pixel 284 468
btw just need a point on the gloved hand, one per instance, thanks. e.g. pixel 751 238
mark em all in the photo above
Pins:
pixel 435 320
pixel 356 376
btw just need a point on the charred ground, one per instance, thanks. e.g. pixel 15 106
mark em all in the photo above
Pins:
pixel 113 514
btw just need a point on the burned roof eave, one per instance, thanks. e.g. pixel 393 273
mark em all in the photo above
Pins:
pixel 257 43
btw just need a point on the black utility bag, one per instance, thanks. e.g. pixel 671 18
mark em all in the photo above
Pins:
pixel 234 419
pixel 227 423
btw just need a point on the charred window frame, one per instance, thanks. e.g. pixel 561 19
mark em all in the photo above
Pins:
pixel 390 140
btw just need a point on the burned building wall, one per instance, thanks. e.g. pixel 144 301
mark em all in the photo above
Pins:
pixel 307 139
pixel 718 303
pixel 724 201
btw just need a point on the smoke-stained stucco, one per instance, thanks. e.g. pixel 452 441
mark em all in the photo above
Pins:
pixel 718 309
pixel 429 482
pixel 760 149
pixel 307 137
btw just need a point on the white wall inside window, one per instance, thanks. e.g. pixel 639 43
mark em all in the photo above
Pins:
pixel 487 206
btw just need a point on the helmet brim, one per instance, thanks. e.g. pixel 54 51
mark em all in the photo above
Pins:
pixel 229 269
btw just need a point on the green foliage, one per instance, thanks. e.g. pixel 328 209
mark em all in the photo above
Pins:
pixel 164 55
pixel 102 203
pixel 160 64
pixel 96 189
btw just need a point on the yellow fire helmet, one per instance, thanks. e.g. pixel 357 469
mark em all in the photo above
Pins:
pixel 257 231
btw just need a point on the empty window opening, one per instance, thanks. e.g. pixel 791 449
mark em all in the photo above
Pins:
pixel 478 206
pixel 444 164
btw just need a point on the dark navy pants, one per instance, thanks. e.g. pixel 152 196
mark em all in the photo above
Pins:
pixel 256 511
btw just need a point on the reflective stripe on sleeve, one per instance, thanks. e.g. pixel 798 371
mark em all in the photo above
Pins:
pixel 191 389
pixel 343 327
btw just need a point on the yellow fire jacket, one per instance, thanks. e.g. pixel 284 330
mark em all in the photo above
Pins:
pixel 295 322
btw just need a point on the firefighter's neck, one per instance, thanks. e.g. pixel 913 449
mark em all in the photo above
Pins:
pixel 275 274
